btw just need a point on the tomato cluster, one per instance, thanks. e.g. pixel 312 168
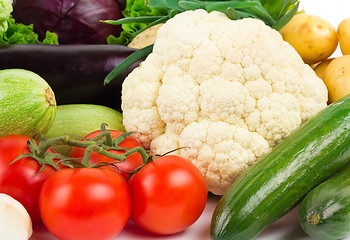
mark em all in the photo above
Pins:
pixel 165 196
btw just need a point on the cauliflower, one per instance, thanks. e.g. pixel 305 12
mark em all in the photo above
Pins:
pixel 223 91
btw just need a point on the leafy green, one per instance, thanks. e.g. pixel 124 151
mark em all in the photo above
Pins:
pixel 18 33
pixel 284 17
pixel 5 13
pixel 274 6
pixel 50 38
pixel 139 16
pixel 124 38
pixel 134 8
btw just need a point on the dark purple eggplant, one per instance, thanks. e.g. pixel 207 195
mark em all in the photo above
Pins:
pixel 76 73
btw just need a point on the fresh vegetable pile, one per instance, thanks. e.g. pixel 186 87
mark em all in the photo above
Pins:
pixel 279 181
pixel 98 195
pixel 135 124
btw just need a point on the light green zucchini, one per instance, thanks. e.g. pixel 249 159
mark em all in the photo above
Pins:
pixel 27 103
pixel 81 119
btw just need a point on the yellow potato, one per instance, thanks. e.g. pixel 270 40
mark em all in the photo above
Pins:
pixel 314 38
pixel 344 36
pixel 321 67
pixel 145 38
pixel 337 78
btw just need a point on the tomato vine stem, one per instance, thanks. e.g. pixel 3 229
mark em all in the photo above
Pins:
pixel 100 144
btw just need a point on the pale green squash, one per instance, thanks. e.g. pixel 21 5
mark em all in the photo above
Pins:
pixel 27 103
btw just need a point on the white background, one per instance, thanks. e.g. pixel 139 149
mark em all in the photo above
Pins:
pixel 287 228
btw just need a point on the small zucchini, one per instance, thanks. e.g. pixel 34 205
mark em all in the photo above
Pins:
pixel 324 213
pixel 278 182
pixel 81 119
pixel 27 103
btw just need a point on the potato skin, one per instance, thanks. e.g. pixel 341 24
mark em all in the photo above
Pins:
pixel 344 36
pixel 321 67
pixel 337 78
pixel 314 38
pixel 145 38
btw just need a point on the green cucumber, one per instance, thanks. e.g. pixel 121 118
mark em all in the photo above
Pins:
pixel 81 119
pixel 324 213
pixel 27 103
pixel 278 182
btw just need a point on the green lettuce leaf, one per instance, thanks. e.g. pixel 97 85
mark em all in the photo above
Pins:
pixel 134 8
pixel 18 33
pixel 5 13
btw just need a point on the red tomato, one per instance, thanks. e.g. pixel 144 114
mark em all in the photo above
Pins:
pixel 168 195
pixel 132 161
pixel 19 179
pixel 85 203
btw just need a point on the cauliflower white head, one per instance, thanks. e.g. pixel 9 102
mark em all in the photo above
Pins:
pixel 226 91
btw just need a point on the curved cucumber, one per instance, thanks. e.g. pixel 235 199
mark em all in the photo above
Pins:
pixel 324 213
pixel 278 182
pixel 81 119
pixel 27 103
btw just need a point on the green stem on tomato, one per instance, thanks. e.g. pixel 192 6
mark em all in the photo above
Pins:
pixel 86 158
pixel 43 158
pixel 96 144
pixel 120 157
pixel 101 144
pixel 105 135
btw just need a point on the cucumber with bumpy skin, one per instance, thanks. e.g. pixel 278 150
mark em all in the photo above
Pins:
pixel 27 103
pixel 324 213
pixel 278 182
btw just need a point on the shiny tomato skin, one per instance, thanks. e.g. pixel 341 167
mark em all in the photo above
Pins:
pixel 19 179
pixel 85 203
pixel 132 161
pixel 168 195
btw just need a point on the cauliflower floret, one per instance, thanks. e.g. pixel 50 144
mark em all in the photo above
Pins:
pixel 222 151
pixel 227 91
